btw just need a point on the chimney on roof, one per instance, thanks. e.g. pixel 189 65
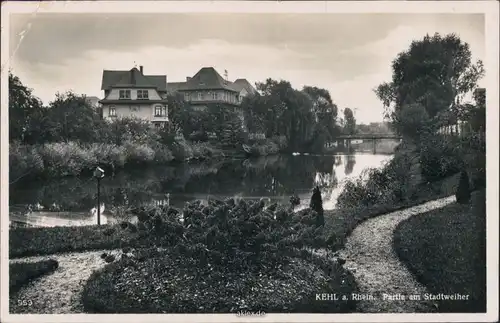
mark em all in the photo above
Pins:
pixel 141 68
pixel 188 78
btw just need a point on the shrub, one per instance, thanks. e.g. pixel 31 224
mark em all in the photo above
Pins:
pixel 25 242
pixel 109 155
pixel 316 204
pixel 266 147
pixel 66 159
pixel 294 201
pixel 139 153
pixel 109 258
pixel 214 256
pixel 388 185
pixel 463 193
pixel 23 272
pixel 203 151
pixel 162 154
pixel 440 156
pixel 24 161
pixel 182 150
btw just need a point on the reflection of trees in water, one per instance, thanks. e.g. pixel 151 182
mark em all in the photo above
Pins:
pixel 271 176
pixel 350 161
pixel 338 160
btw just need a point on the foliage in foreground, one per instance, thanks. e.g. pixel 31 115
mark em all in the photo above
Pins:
pixel 388 185
pixel 223 257
pixel 23 272
pixel 446 251
pixel 232 233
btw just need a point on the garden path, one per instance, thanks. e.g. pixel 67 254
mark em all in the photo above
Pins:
pixel 370 257
pixel 58 292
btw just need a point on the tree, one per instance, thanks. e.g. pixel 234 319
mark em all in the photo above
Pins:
pixel 231 135
pixel 24 108
pixel 349 122
pixel 73 118
pixel 477 116
pixel 435 72
pixel 325 113
pixel 280 109
pixel 415 119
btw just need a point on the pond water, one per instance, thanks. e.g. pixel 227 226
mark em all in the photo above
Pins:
pixel 72 201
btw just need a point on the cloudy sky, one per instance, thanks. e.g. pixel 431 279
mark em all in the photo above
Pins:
pixel 348 54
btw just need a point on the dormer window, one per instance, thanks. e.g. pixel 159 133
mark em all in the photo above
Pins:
pixel 142 95
pixel 124 94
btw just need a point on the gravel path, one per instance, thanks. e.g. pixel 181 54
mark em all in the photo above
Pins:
pixel 58 292
pixel 370 256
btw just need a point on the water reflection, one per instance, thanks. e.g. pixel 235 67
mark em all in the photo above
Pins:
pixel 71 201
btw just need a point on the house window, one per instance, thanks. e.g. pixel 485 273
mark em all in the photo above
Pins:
pixel 186 96
pixel 124 94
pixel 214 95
pixel 199 95
pixel 142 94
pixel 160 111
pixel 112 111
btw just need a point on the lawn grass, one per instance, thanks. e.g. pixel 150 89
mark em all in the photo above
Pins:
pixel 339 223
pixel 25 242
pixel 446 251
pixel 22 273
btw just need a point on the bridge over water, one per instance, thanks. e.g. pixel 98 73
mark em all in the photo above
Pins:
pixel 374 138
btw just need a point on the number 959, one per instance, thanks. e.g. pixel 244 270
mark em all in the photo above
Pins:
pixel 24 302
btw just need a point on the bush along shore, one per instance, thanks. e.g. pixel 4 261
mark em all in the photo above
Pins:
pixel 28 162
pixel 74 159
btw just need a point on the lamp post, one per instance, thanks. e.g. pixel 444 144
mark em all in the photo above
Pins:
pixel 98 174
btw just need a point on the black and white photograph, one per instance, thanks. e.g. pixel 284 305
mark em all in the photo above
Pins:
pixel 247 159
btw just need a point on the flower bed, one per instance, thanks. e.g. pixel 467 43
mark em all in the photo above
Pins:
pixel 224 257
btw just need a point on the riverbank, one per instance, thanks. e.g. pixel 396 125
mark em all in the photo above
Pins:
pixel 70 159
pixel 62 159
pixel 445 250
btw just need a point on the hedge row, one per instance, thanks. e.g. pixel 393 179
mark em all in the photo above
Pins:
pixel 45 241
